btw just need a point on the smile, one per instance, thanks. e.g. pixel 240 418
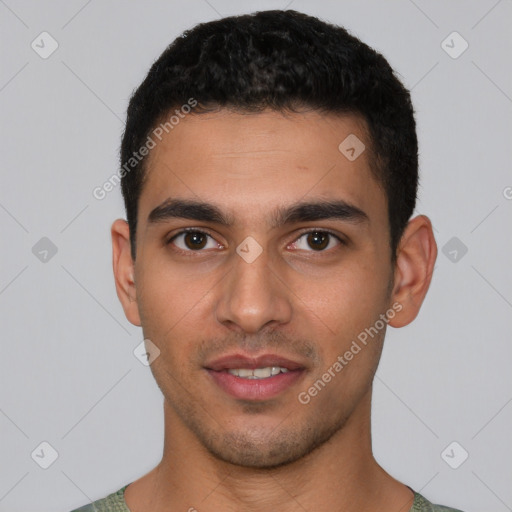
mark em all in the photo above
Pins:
pixel 257 373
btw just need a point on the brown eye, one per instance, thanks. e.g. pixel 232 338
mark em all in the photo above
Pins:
pixel 195 240
pixel 318 240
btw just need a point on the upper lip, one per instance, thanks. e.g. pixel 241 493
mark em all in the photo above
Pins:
pixel 231 361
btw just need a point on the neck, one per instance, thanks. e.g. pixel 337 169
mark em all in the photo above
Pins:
pixel 341 474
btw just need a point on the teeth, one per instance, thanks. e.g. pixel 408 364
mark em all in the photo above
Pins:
pixel 257 373
pixel 263 373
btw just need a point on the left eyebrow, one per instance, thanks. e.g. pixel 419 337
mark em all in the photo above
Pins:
pixel 318 210
pixel 300 212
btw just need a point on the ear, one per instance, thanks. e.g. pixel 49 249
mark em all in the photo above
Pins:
pixel 416 256
pixel 124 270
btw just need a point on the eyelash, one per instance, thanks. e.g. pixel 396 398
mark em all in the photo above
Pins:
pixel 191 252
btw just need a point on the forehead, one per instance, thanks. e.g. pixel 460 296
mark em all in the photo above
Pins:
pixel 249 163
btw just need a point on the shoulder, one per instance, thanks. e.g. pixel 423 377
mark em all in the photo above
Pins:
pixel 112 503
pixel 421 504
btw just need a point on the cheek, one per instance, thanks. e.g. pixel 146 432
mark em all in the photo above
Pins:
pixel 350 345
pixel 172 304
pixel 349 299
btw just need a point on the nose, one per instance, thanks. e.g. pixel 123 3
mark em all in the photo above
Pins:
pixel 253 296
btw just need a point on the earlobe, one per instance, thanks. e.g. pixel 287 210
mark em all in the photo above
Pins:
pixel 415 261
pixel 124 271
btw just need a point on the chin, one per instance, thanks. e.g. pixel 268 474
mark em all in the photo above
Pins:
pixel 268 450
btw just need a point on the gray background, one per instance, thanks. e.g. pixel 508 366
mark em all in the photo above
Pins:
pixel 69 376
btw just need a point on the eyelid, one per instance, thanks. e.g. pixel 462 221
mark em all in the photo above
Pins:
pixel 322 230
pixel 189 230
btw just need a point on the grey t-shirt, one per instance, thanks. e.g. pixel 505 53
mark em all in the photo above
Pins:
pixel 115 503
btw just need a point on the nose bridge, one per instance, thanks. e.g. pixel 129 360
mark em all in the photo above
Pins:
pixel 252 296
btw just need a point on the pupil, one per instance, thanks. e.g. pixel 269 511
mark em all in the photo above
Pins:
pixel 318 240
pixel 195 240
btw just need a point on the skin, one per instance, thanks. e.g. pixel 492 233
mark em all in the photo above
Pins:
pixel 305 304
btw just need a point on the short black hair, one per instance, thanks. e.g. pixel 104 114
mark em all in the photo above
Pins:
pixel 281 60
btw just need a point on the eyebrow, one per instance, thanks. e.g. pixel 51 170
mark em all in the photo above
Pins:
pixel 299 212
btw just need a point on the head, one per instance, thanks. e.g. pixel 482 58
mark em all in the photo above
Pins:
pixel 245 121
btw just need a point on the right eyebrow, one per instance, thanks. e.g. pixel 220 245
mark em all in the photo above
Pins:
pixel 187 209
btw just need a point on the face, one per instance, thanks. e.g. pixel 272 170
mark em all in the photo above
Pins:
pixel 262 254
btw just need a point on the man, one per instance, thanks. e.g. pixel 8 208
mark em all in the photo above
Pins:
pixel 269 171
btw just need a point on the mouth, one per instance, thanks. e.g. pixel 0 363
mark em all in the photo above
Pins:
pixel 254 378
pixel 257 373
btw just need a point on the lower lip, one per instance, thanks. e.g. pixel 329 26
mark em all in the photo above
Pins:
pixel 255 389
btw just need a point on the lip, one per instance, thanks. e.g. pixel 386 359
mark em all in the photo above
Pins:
pixel 254 389
pixel 242 361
